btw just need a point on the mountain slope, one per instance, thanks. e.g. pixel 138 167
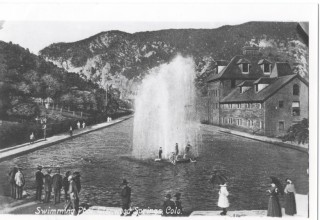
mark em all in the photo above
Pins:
pixel 122 59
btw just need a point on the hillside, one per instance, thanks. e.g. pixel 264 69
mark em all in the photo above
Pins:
pixel 122 59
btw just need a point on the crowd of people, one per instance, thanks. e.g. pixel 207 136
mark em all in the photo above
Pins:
pixel 176 156
pixel 48 183
pixel 71 186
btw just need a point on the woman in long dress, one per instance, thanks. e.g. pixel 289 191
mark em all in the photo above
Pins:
pixel 274 208
pixel 223 201
pixel 290 200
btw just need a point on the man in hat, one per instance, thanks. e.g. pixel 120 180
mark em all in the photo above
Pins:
pixel 57 185
pixel 74 195
pixel 125 196
pixel 19 179
pixel 160 153
pixel 168 206
pixel 47 186
pixel 39 182
pixel 178 204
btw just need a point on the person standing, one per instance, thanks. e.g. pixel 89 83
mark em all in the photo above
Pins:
pixel 125 196
pixel 168 206
pixel 177 149
pixel 57 185
pixel 70 131
pixel 31 138
pixel 13 187
pixel 160 153
pixel 65 182
pixel 19 179
pixel 79 125
pixel 83 124
pixel 39 183
pixel 73 195
pixel 274 208
pixel 223 201
pixel 76 179
pixel 290 200
pixel 47 186
pixel 178 204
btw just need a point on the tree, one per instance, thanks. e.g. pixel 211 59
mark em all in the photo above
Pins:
pixel 298 132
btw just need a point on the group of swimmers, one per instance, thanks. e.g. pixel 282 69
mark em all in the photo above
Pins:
pixel 174 157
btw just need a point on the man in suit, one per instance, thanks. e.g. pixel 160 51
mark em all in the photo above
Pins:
pixel 57 186
pixel 39 183
pixel 47 186
pixel 125 197
pixel 168 206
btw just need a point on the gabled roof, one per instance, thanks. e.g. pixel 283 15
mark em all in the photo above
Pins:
pixel 233 71
pixel 243 60
pixel 251 96
pixel 264 61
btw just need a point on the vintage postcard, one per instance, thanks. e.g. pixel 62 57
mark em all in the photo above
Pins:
pixel 152 110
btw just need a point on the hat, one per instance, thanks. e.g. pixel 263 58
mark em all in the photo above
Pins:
pixel 124 182
pixel 168 196
pixel 76 174
pixel 178 195
pixel 39 167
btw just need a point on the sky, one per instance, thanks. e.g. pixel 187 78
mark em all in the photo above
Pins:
pixel 35 35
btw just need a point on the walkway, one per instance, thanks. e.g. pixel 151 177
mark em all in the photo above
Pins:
pixel 17 150
pixel 275 141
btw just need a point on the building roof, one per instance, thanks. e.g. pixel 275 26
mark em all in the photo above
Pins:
pixel 222 62
pixel 264 61
pixel 243 60
pixel 281 69
pixel 233 71
pixel 246 83
pixel 264 80
pixel 251 96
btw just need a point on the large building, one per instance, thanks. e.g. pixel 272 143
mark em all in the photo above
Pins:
pixel 256 95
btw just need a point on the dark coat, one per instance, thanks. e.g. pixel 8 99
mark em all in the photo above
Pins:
pixel 274 208
pixel 65 183
pixel 39 178
pixel 178 205
pixel 126 195
pixel 78 183
pixel 57 181
pixel 12 175
pixel 47 183
pixel 167 206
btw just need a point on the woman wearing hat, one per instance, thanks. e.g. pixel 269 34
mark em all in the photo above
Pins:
pixel 290 201
pixel 274 208
pixel 223 201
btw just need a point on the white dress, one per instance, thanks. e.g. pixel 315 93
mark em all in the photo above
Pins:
pixel 223 201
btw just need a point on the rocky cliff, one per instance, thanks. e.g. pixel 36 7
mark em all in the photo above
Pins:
pixel 121 59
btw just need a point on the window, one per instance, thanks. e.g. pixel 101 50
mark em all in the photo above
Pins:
pixel 296 89
pixel 281 126
pixel 280 104
pixel 230 120
pixel 239 122
pixel 295 108
pixel 266 68
pixel 233 83
pixel 239 105
pixel 256 88
pixel 259 105
pixel 241 91
pixel 261 124
pixel 229 105
pixel 245 67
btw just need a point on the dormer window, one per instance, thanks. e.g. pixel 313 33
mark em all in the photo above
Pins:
pixel 265 66
pixel 245 68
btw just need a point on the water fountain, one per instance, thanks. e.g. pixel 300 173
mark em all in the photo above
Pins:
pixel 165 110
